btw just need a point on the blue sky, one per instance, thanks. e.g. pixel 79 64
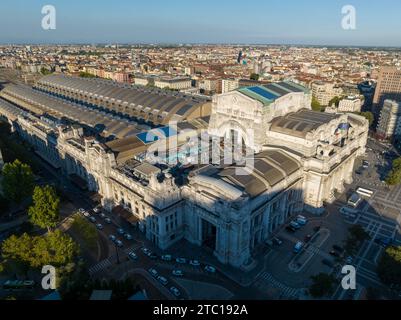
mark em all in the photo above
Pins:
pixel 205 21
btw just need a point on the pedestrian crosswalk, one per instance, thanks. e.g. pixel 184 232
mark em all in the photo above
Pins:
pixel 100 266
pixel 109 261
pixel 267 281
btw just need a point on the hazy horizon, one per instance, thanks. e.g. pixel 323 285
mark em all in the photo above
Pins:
pixel 310 23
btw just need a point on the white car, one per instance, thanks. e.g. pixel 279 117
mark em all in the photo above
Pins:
pixel 112 237
pixel 86 214
pixel 175 291
pixel 181 260
pixel 81 210
pixel 127 236
pixel 162 280
pixel 166 257
pixel 153 272
pixel 194 263
pixel 96 210
pixel 177 273
pixel 210 269
pixel 301 220
pixel 119 243
pixel 133 255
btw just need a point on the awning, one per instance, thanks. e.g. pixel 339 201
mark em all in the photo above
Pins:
pixel 125 214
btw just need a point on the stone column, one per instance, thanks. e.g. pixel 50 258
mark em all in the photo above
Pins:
pixel 349 170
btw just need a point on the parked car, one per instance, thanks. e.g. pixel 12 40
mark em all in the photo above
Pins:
pixel 92 219
pixel 81 210
pixel 298 247
pixel 103 216
pixel 175 291
pixel 152 256
pixel 295 224
pixel 181 260
pixel 107 220
pixel 133 255
pixel 166 257
pixel 277 241
pixel 127 236
pixel 99 226
pixel 328 263
pixel 112 237
pixel 162 280
pixel 194 263
pixel 153 272
pixel 334 253
pixel 120 231
pixel 308 237
pixel 119 243
pixel 86 214
pixel 145 250
pixel 290 229
pixel 301 220
pixel 96 210
pixel 177 273
pixel 210 269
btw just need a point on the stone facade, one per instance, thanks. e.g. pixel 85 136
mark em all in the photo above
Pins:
pixel 214 209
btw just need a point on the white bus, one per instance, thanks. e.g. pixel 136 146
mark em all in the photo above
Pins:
pixel 364 192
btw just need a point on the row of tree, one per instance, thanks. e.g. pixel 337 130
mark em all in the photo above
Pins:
pixel 394 176
pixel 18 185
pixel 54 248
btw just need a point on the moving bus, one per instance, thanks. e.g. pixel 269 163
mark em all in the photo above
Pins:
pixel 364 192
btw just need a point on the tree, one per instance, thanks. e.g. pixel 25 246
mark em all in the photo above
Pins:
pixel 45 71
pixel 358 233
pixel 368 115
pixel 45 210
pixel 17 181
pixel 322 285
pixel 389 266
pixel 254 76
pixel 83 74
pixel 54 248
pixel 86 231
pixel 4 205
pixel 356 236
pixel 394 176
pixel 336 101
pixel 316 106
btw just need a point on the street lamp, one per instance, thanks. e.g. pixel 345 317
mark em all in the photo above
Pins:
pixel 118 258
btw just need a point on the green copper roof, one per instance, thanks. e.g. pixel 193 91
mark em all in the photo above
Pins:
pixel 268 93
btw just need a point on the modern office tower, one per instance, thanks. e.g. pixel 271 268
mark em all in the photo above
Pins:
pixel 389 124
pixel 388 87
